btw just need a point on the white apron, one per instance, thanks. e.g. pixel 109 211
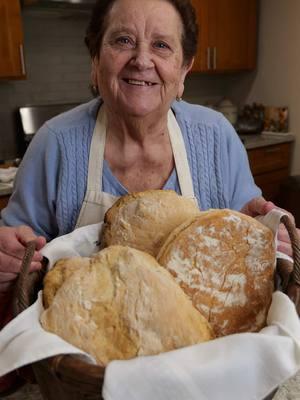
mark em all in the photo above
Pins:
pixel 96 202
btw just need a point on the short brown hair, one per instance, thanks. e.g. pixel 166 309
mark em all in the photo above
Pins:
pixel 96 27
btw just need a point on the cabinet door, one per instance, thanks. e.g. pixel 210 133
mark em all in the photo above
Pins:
pixel 227 35
pixel 203 11
pixel 235 35
pixel 11 40
pixel 270 168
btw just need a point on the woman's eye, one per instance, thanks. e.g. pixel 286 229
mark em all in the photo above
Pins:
pixel 124 41
pixel 161 45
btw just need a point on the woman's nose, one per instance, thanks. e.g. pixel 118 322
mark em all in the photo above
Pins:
pixel 142 58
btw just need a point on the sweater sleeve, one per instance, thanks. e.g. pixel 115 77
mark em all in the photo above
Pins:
pixel 33 201
pixel 238 180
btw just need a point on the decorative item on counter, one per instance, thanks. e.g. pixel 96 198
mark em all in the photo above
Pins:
pixel 251 119
pixel 230 111
pixel 276 119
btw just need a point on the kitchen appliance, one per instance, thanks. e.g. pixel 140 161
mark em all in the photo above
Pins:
pixel 31 118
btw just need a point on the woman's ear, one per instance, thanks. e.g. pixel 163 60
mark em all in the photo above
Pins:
pixel 190 65
pixel 94 77
pixel 185 70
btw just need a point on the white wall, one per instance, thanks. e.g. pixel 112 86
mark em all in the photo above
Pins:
pixel 277 81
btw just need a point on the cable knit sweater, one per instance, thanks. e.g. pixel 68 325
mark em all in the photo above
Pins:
pixel 51 181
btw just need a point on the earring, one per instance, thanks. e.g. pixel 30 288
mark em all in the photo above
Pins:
pixel 178 98
pixel 94 90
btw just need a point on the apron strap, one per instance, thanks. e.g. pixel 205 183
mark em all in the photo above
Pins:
pixel 180 157
pixel 96 156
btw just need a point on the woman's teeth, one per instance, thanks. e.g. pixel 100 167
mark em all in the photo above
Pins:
pixel 139 83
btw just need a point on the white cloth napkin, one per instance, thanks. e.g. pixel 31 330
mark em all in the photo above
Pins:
pixel 25 331
pixel 7 175
pixel 243 366
pixel 81 242
pixel 24 341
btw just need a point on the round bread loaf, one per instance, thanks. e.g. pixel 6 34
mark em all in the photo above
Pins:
pixel 124 304
pixel 144 220
pixel 61 271
pixel 225 262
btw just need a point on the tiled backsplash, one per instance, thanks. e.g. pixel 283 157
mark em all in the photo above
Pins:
pixel 57 66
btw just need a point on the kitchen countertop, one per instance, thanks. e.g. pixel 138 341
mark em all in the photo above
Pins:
pixel 266 139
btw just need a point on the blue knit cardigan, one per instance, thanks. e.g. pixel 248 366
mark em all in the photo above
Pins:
pixel 51 181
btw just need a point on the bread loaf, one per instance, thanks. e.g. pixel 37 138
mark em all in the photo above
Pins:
pixel 224 261
pixel 144 220
pixel 123 304
pixel 61 271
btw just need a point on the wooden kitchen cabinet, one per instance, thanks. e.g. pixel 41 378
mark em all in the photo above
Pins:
pixel 270 168
pixel 227 35
pixel 11 41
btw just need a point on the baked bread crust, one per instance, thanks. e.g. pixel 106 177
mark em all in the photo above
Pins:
pixel 225 262
pixel 61 271
pixel 144 220
pixel 123 304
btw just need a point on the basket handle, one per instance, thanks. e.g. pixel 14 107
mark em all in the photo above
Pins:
pixel 26 285
pixel 292 286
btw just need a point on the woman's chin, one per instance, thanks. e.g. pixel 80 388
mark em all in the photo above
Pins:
pixel 140 110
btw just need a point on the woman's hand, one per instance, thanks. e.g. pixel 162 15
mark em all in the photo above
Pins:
pixel 257 206
pixel 13 242
pixel 260 206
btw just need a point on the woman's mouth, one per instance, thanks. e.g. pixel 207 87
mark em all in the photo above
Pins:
pixel 137 82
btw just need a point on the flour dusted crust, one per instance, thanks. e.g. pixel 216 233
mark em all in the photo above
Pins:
pixel 61 271
pixel 224 261
pixel 123 304
pixel 144 220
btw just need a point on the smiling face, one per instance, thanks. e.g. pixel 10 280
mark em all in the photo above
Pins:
pixel 140 67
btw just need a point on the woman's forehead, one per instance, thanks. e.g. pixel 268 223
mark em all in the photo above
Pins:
pixel 160 15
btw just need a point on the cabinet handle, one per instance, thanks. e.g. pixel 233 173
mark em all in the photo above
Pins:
pixel 208 57
pixel 215 58
pixel 22 59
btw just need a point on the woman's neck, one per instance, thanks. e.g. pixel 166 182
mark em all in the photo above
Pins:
pixel 139 151
pixel 141 130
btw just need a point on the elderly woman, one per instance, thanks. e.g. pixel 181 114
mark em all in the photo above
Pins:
pixel 136 135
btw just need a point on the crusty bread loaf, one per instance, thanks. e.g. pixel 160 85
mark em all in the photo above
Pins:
pixel 124 304
pixel 224 261
pixel 61 271
pixel 144 220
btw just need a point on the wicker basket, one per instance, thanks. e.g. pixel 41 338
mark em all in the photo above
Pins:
pixel 66 377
